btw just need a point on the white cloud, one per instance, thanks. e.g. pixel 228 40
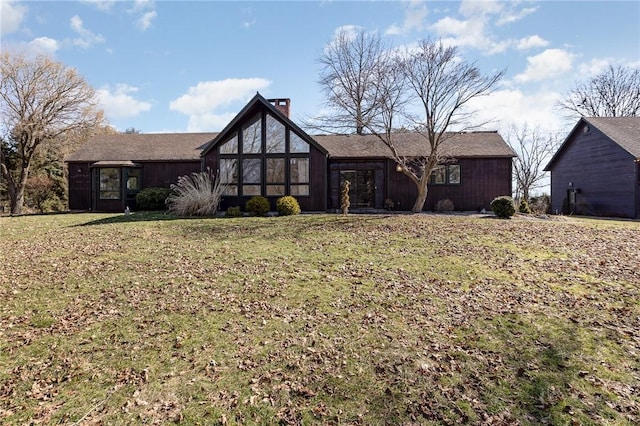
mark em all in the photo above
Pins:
pixel 513 15
pixel 87 38
pixel 548 64
pixel 101 5
pixel 414 20
pixel 145 21
pixel 248 24
pixel 202 100
pixel 531 42
pixel 11 16
pixel 44 45
pixel 506 107
pixel 118 103
pixel 147 11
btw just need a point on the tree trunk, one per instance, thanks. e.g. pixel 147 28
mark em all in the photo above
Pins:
pixel 16 200
pixel 421 198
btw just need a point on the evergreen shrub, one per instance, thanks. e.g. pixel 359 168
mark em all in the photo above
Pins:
pixel 257 205
pixel 503 206
pixel 287 206
pixel 152 198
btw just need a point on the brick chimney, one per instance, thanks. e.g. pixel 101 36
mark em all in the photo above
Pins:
pixel 282 104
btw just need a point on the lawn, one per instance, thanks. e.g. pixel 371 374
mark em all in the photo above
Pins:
pixel 327 319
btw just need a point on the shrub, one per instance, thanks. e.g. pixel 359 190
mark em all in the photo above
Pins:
pixel 523 207
pixel 39 190
pixel 287 206
pixel 445 205
pixel 503 206
pixel 152 198
pixel 233 211
pixel 197 194
pixel 541 204
pixel 257 205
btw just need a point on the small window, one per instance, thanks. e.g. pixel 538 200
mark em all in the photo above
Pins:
pixel 133 180
pixel 445 174
pixel 109 183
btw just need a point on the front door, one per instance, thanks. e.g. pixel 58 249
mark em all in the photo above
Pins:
pixel 362 188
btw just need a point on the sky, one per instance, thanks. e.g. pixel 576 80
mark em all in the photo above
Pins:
pixel 190 66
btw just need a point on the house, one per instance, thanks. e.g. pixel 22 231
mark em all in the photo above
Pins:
pixel 263 152
pixel 596 170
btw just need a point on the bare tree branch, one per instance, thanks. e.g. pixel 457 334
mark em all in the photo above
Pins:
pixel 615 92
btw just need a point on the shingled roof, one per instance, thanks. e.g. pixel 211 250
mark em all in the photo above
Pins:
pixel 143 147
pixel 625 131
pixel 459 145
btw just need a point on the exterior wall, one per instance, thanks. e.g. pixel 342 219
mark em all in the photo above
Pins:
pixel 481 180
pixel 604 176
pixel 83 190
pixel 79 186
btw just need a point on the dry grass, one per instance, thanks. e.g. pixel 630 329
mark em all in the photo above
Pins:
pixel 420 319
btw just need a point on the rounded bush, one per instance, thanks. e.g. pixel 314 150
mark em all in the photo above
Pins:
pixel 257 205
pixel 152 198
pixel 503 206
pixel 524 207
pixel 233 211
pixel 287 206
pixel 445 205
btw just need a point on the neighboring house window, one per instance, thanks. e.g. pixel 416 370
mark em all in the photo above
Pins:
pixel 265 158
pixel 445 174
pixel 109 183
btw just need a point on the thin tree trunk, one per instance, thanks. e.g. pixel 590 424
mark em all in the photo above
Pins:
pixel 420 199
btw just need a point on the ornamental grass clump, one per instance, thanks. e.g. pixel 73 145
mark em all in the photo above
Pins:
pixel 197 194
pixel 287 206
pixel 503 206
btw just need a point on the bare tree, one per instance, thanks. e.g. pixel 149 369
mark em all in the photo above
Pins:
pixel 350 63
pixel 534 149
pixel 426 90
pixel 40 100
pixel 615 92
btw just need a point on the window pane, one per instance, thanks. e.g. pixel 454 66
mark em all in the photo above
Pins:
pixel 297 144
pixel 275 190
pixel 275 170
pixel 109 184
pixel 228 170
pixel 438 176
pixel 251 170
pixel 230 146
pixel 251 190
pixel 299 170
pixel 275 135
pixel 252 136
pixel 133 179
pixel 230 190
pixel 297 190
pixel 454 173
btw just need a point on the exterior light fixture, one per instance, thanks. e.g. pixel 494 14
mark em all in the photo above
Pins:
pixel 398 167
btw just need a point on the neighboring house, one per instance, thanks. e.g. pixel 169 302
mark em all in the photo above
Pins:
pixel 596 171
pixel 262 152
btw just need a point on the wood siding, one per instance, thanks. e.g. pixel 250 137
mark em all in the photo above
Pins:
pixel 481 180
pixel 604 175
pixel 79 186
pixel 163 174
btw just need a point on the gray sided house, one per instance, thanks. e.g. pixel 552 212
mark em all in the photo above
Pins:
pixel 262 152
pixel 596 171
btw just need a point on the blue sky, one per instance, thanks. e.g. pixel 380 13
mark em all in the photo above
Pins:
pixel 176 66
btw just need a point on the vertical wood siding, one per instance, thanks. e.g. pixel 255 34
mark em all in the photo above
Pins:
pixel 604 174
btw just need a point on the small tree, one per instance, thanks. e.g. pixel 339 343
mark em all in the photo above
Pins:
pixel 344 197
pixel 533 150
pixel 503 207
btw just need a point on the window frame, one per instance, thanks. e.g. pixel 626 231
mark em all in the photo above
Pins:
pixel 447 175
pixel 116 188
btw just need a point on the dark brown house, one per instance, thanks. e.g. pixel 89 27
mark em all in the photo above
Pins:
pixel 596 171
pixel 262 152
